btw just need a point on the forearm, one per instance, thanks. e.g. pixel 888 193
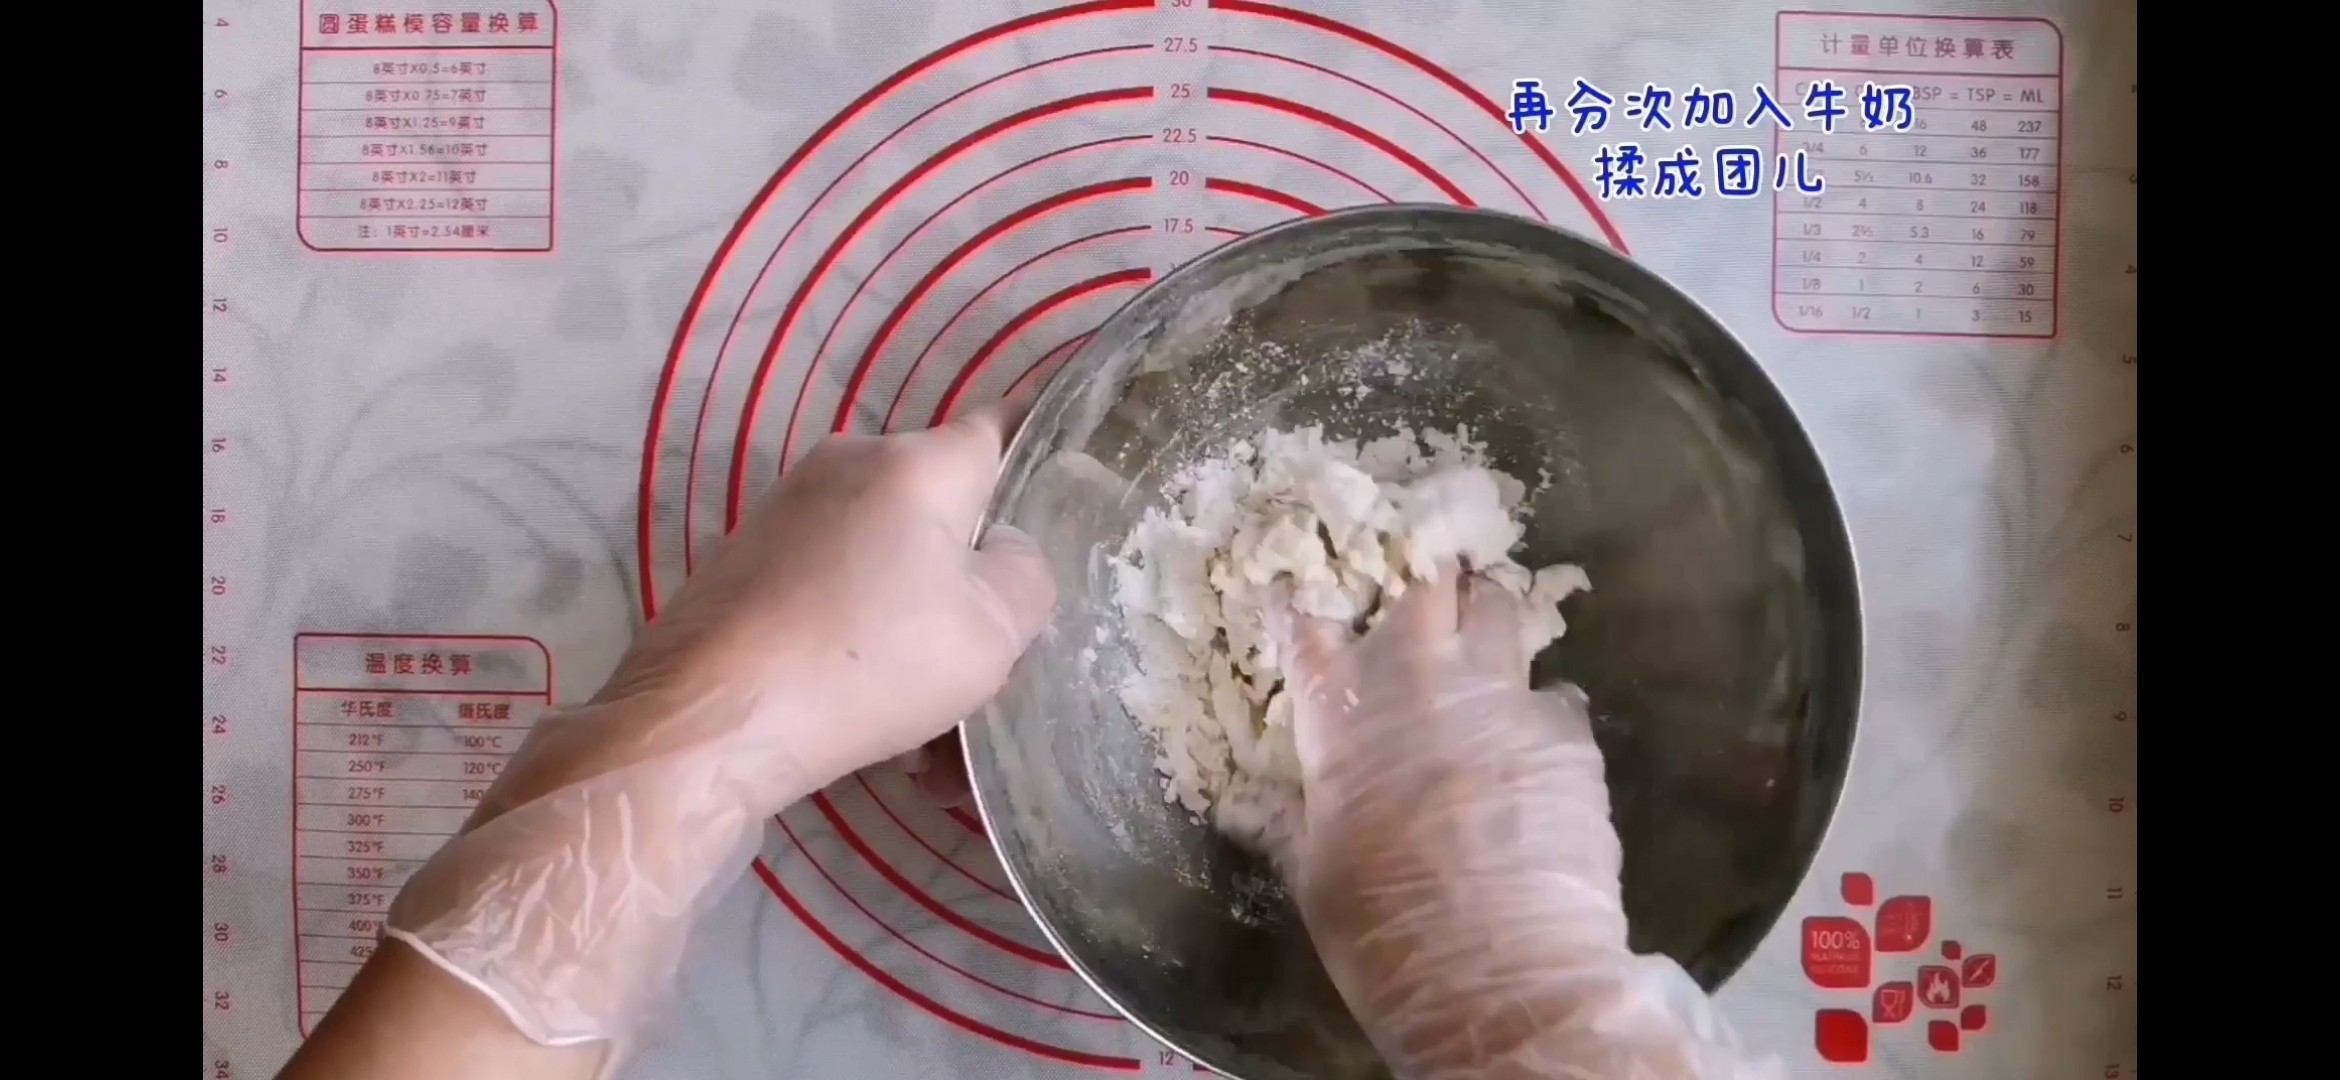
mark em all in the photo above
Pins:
pixel 1512 1004
pixel 403 1018
pixel 845 622
pixel 1471 947
pixel 571 897
pixel 568 891
pixel 1486 983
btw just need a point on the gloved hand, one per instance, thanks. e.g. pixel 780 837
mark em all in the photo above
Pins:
pixel 846 622
pixel 1455 863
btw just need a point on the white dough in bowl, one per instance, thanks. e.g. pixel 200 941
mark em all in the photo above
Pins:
pixel 1351 524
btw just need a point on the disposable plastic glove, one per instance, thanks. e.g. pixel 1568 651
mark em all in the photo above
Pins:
pixel 846 622
pixel 1455 863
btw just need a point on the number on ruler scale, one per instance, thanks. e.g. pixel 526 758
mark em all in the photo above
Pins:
pixel 218 806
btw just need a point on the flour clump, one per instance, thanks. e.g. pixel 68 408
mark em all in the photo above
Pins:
pixel 1350 524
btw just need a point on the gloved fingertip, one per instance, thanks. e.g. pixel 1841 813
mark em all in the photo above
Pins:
pixel 1278 609
pixel 1433 606
pixel 996 423
pixel 1490 622
pixel 1017 405
pixel 1015 573
pixel 1305 638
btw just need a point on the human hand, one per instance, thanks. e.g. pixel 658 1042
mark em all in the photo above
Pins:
pixel 1455 862
pixel 848 613
pixel 847 621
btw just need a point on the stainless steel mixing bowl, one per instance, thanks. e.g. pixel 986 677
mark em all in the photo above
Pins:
pixel 1720 644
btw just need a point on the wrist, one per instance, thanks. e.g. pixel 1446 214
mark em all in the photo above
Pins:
pixel 744 754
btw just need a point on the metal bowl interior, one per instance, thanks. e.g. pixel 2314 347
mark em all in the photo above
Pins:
pixel 1720 644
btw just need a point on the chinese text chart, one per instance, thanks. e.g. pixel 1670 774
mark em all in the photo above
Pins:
pixel 1949 227
pixel 1913 164
pixel 394 741
pixel 429 130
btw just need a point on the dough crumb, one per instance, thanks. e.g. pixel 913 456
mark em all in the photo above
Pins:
pixel 1350 524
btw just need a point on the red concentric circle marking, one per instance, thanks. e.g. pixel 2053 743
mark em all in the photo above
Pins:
pixel 744 439
pixel 1029 316
pixel 903 990
pixel 940 910
pixel 1265 194
pixel 970 876
pixel 1048 360
pixel 1400 103
pixel 1229 140
pixel 1346 127
pixel 958 256
pixel 913 946
pixel 754 212
pixel 877 342
pixel 920 361
pixel 698 431
pixel 1453 82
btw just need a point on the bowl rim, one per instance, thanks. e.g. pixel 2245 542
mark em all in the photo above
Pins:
pixel 1607 263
